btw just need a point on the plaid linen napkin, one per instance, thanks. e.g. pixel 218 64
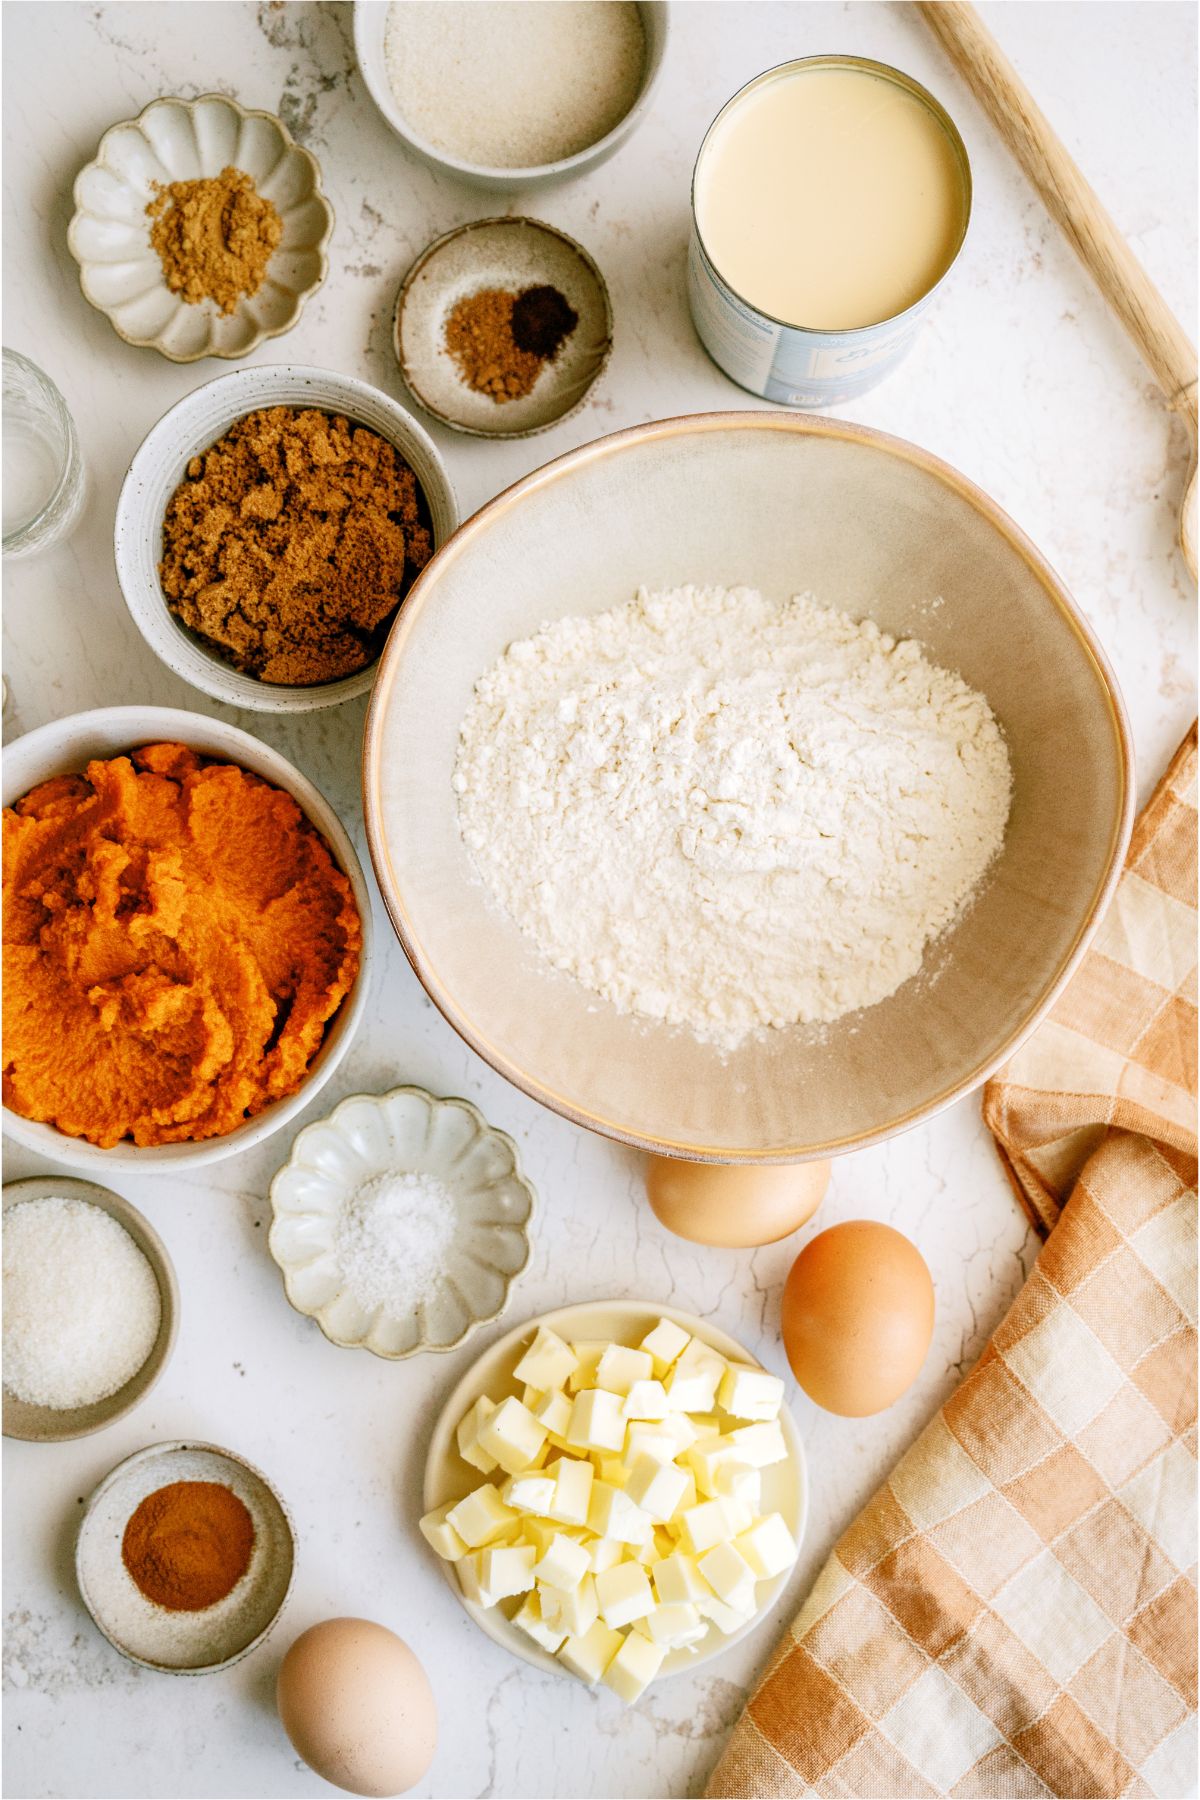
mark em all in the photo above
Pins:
pixel 1014 1613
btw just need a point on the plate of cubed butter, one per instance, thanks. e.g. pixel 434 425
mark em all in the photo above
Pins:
pixel 616 1490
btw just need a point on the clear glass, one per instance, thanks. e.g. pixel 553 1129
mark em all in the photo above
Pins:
pixel 44 487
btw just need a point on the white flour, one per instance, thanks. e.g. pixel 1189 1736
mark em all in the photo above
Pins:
pixel 729 813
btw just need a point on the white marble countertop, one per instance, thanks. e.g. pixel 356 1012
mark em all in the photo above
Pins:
pixel 1021 379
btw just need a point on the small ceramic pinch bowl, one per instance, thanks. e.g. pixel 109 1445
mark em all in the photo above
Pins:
pixel 66 746
pixel 448 1477
pixel 54 1425
pixel 183 1643
pixel 370 31
pixel 511 254
pixel 370 1137
pixel 185 140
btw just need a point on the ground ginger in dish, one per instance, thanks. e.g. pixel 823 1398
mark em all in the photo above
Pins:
pixel 177 938
pixel 214 237
pixel 290 543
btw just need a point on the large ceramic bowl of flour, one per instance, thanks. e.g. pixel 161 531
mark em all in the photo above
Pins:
pixel 609 883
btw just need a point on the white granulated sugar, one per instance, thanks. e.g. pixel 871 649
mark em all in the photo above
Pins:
pixel 512 83
pixel 726 812
pixel 81 1304
pixel 393 1240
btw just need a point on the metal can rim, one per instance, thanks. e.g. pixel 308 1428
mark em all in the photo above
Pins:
pixel 887 72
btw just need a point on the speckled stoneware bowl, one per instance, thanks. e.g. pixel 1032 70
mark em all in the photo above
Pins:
pixel 54 1425
pixel 370 27
pixel 511 254
pixel 183 1643
pixel 183 140
pixel 448 1477
pixel 408 1131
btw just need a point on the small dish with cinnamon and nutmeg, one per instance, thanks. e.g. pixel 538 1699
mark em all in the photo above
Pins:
pixel 503 327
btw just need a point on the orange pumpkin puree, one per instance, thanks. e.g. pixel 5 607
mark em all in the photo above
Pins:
pixel 177 937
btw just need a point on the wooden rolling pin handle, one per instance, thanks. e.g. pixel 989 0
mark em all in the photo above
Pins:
pixel 1124 283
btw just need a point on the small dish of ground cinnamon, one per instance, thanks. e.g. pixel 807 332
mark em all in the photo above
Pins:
pixel 502 327
pixel 184 1557
pixel 291 542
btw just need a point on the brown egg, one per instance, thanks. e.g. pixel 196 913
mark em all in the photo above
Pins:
pixel 358 1707
pixel 857 1317
pixel 734 1205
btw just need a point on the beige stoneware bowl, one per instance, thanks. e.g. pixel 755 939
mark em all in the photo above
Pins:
pixel 185 140
pixel 448 1477
pixel 68 745
pixel 785 503
pixel 54 1425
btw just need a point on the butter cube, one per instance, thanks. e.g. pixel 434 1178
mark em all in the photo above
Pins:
pixel 611 1513
pixel 759 1445
pixel 513 1436
pixel 624 1594
pixel 704 1425
pixel 678 1581
pixel 469 1427
pixel 575 1609
pixel 554 1412
pixel 675 1626
pixel 542 1631
pixel 529 1493
pixel 506 1571
pixel 596 1422
pixel 695 1378
pixel 468 1572
pixel 572 1491
pixel 481 1516
pixel 656 1487
pixel 740 1482
pixel 441 1536
pixel 705 1458
pixel 750 1393
pixel 563 1564
pixel 633 1668
pixel 651 1440
pixel 538 1532
pixel 548 1362
pixel 688 1498
pixel 768 1546
pixel 665 1343
pixel 612 1469
pixel 712 1522
pixel 589 1654
pixel 646 1400
pixel 605 1553
pixel 682 1429
pixel 587 1355
pixel 726 1618
pixel 729 1575
pixel 531 1396
pixel 620 1367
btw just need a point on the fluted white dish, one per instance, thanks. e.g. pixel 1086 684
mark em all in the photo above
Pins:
pixel 185 140
pixel 406 1131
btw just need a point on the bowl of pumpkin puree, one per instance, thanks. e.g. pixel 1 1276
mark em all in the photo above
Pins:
pixel 186 934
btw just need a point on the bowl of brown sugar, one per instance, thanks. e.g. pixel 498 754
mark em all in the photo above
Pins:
pixel 269 529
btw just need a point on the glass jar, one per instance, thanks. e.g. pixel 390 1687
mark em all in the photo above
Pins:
pixel 44 487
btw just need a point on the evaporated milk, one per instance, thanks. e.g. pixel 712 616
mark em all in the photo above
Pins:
pixel 830 198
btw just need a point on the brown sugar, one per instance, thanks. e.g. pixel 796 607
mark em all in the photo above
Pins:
pixel 214 237
pixel 291 542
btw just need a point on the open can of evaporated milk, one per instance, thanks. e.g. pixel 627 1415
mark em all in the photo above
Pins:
pixel 830 198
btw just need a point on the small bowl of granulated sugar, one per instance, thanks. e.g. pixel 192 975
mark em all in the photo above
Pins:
pixel 506 93
pixel 401 1222
pixel 90 1308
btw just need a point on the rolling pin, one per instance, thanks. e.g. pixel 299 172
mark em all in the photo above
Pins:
pixel 1130 293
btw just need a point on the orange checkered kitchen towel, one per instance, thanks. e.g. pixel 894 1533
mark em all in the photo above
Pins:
pixel 1014 1613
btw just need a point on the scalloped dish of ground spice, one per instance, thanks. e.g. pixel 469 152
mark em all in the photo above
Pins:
pixel 177 939
pixel 291 542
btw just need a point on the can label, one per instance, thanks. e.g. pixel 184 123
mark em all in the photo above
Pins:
pixel 795 368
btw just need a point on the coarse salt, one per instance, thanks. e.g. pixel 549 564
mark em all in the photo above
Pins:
pixel 393 1238
pixel 81 1303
